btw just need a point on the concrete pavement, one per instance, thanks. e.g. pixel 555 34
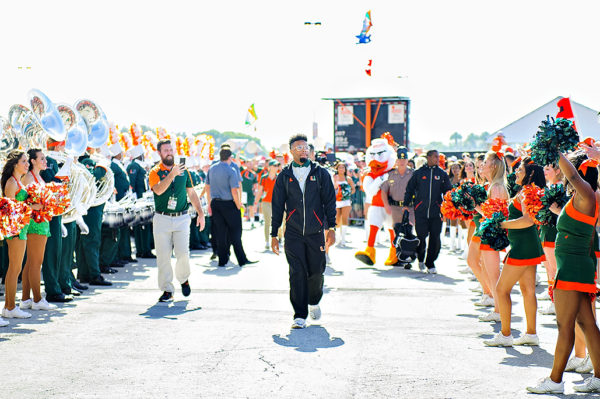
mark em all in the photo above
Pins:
pixel 385 332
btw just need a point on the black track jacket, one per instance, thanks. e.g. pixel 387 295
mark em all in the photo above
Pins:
pixel 305 213
pixel 427 185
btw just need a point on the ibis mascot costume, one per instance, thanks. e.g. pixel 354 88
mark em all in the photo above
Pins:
pixel 380 158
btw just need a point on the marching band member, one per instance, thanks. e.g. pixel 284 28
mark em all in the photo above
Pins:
pixel 139 184
pixel 88 246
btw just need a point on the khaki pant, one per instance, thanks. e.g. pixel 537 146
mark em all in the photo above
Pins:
pixel 397 214
pixel 172 234
pixel 267 211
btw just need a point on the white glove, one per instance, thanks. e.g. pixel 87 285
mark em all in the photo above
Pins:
pixel 65 171
pixel 82 226
pixel 64 230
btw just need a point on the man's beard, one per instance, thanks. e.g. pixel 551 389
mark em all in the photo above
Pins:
pixel 169 160
pixel 303 160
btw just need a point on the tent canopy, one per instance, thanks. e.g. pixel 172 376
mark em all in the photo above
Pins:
pixel 523 129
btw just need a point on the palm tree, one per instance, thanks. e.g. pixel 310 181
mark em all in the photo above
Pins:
pixel 456 137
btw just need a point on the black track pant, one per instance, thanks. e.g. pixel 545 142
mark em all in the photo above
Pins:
pixel 306 257
pixel 431 227
pixel 227 222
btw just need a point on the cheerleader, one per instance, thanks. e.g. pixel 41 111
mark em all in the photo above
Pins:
pixel 344 187
pixel 454 170
pixel 553 175
pixel 474 259
pixel 467 173
pixel 494 170
pixel 37 235
pixel 15 168
pixel 575 285
pixel 520 264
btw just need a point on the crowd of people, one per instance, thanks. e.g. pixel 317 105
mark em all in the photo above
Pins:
pixel 306 203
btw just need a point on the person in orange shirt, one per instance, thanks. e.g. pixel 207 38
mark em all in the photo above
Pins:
pixel 267 183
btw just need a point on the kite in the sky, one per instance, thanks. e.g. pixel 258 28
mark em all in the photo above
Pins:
pixel 364 37
pixel 369 64
pixel 251 116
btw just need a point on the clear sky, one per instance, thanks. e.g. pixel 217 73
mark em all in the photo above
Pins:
pixel 471 66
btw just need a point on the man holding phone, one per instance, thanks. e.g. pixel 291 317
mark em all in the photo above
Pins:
pixel 172 185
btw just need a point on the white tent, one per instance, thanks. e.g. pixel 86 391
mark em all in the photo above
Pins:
pixel 523 129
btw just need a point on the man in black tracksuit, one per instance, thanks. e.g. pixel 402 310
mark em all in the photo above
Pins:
pixel 305 191
pixel 424 191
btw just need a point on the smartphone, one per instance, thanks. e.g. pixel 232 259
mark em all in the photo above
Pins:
pixel 182 161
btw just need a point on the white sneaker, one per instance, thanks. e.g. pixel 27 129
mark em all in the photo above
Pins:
pixel 500 340
pixel 299 323
pixel 586 366
pixel 26 304
pixel 547 310
pixel 485 301
pixel 432 270
pixel 16 313
pixel 267 246
pixel 43 305
pixel 591 384
pixel 314 311
pixel 528 339
pixel 574 362
pixel 546 385
pixel 422 266
pixel 537 281
pixel 544 296
pixel 327 259
pixel 3 323
pixel 492 316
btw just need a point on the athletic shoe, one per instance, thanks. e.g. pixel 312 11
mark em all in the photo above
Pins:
pixel 16 313
pixel 431 270
pixel 548 310
pixel 166 297
pixel 500 340
pixel 574 362
pixel 267 246
pixel 314 311
pixel 485 301
pixel 3 323
pixel 43 305
pixel 299 323
pixel 591 384
pixel 528 339
pixel 492 316
pixel 422 266
pixel 26 304
pixel 586 366
pixel 546 385
pixel 537 279
pixel 544 296
pixel 186 289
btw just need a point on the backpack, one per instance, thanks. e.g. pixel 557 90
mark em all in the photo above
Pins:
pixel 406 242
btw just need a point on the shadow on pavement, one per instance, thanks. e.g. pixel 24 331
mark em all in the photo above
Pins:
pixel 330 271
pixel 401 272
pixel 162 310
pixel 538 357
pixel 308 339
pixel 223 271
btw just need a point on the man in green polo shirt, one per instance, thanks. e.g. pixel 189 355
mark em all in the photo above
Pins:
pixel 172 185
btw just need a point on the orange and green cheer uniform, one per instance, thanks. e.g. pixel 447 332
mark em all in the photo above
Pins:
pixel 575 255
pixel 525 246
pixel 21 196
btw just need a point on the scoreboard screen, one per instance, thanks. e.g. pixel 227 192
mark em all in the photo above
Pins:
pixel 388 114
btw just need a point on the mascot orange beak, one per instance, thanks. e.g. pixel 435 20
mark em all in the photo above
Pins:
pixel 377 166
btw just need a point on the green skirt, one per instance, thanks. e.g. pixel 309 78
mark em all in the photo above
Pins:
pixel 42 228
